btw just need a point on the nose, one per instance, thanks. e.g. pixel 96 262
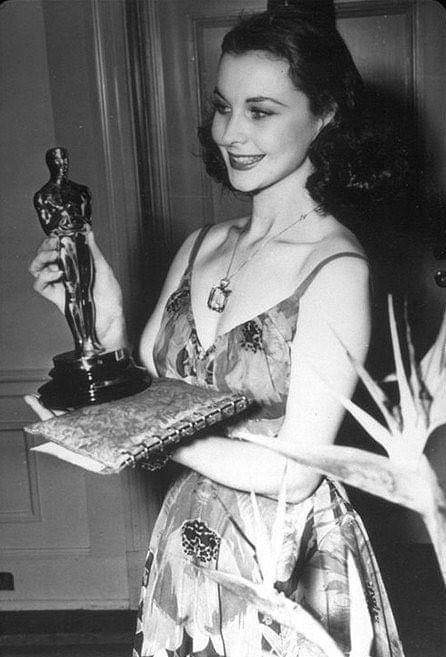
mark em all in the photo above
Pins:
pixel 232 130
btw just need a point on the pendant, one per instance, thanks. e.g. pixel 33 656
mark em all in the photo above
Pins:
pixel 218 296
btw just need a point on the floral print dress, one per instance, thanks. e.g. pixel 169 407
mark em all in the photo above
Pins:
pixel 327 564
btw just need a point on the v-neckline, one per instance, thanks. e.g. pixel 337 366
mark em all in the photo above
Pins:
pixel 187 280
pixel 298 290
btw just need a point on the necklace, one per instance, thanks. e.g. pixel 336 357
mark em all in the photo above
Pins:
pixel 218 296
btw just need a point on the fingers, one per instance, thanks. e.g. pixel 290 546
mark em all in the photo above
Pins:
pixel 45 258
pixel 47 278
pixel 45 269
pixel 49 244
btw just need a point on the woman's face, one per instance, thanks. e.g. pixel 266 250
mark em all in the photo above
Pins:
pixel 262 125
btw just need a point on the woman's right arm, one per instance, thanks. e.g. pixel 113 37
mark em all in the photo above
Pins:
pixel 110 322
pixel 109 318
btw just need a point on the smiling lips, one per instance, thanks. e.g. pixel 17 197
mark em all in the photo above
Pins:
pixel 244 162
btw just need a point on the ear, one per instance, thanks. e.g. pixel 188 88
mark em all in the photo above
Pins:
pixel 327 118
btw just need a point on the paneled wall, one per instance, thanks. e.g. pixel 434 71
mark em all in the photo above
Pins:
pixel 70 540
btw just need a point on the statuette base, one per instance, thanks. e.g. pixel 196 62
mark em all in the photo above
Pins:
pixel 83 380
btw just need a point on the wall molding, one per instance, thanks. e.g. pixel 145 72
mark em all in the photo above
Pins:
pixel 45 552
pixel 14 384
pixel 150 113
pixel 43 604
pixel 116 116
pixel 34 514
pixel 360 8
pixel 22 375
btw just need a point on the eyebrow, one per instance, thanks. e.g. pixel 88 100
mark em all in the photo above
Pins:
pixel 255 99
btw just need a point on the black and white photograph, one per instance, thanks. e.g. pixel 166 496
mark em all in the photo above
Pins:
pixel 223 328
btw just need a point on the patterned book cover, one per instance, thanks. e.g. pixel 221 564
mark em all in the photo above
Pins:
pixel 127 431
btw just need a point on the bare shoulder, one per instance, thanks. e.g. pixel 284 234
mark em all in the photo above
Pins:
pixel 337 241
pixel 341 275
pixel 181 259
pixel 342 270
pixel 214 233
pixel 340 290
pixel 338 296
pixel 338 251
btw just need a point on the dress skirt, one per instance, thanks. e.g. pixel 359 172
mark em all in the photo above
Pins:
pixel 326 565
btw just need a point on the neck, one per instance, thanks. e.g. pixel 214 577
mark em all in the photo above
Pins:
pixel 58 176
pixel 276 207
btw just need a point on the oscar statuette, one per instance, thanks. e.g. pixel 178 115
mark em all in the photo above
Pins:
pixel 89 374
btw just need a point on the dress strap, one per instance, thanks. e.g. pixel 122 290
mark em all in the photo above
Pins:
pixel 314 272
pixel 196 246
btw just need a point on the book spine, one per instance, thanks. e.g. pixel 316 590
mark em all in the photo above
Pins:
pixel 212 414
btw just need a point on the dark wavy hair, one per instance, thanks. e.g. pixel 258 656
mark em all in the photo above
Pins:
pixel 356 160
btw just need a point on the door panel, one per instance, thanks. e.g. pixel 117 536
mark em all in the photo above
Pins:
pixel 69 539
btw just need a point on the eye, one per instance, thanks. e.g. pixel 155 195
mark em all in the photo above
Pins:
pixel 220 107
pixel 257 113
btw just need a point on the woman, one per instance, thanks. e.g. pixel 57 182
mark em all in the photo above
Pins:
pixel 261 304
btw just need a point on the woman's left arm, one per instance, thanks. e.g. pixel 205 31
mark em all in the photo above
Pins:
pixel 333 313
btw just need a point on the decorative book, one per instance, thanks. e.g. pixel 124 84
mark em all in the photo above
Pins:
pixel 108 437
